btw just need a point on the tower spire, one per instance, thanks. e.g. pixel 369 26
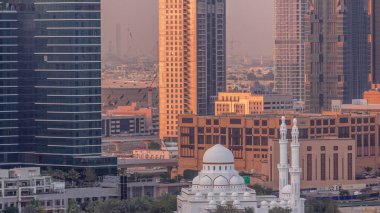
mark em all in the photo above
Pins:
pixel 295 171
pixel 283 166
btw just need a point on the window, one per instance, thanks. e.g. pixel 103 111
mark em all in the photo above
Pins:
pixel 235 121
pixel 309 164
pixel 187 120
pixel 323 166
pixel 323 148
pixel 343 120
pixel 336 166
pixel 349 166
pixel 335 148
pixel 309 148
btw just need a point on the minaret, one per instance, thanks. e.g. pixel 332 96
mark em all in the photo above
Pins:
pixel 283 166
pixel 295 171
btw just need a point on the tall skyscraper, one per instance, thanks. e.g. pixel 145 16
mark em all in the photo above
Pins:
pixel 192 59
pixel 289 47
pixel 374 12
pixel 337 52
pixel 50 108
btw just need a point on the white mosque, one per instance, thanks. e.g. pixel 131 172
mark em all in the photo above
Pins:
pixel 219 184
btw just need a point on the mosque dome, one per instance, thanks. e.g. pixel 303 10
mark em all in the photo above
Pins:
pixel 205 181
pixel 218 154
pixel 221 181
pixel 283 203
pixel 236 203
pixel 273 203
pixel 223 203
pixel 264 203
pixel 196 180
pixel 235 180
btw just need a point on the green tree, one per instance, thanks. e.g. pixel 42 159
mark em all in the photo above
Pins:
pixel 279 210
pixel 154 146
pixel 59 175
pixel 168 203
pixel 261 190
pixel 33 207
pixel 73 176
pixel 320 206
pixel 344 193
pixel 89 175
pixel 190 174
pixel 73 207
pixel 10 210
pixel 232 209
pixel 368 169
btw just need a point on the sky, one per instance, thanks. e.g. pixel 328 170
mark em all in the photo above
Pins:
pixel 249 27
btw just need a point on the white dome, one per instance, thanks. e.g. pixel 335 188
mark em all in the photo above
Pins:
pixel 223 203
pixel 210 195
pixel 205 181
pixel 235 180
pixel 196 180
pixel 221 181
pixel 222 194
pixel 212 203
pixel 273 203
pixel 236 203
pixel 287 189
pixel 283 203
pixel 264 203
pixel 218 154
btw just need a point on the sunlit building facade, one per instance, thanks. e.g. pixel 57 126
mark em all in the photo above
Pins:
pixel 289 48
pixel 192 65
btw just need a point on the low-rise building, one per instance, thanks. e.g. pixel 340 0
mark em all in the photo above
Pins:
pixel 151 154
pixel 324 162
pixel 244 103
pixel 357 105
pixel 249 136
pixel 129 120
pixel 20 186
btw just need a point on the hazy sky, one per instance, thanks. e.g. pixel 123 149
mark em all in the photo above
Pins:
pixel 249 26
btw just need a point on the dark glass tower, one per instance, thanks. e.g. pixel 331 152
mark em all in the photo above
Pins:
pixel 374 11
pixel 337 52
pixel 211 53
pixel 58 84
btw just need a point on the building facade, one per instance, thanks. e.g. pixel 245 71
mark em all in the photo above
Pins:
pixel 289 47
pixel 247 103
pixel 51 105
pixel 192 59
pixel 336 52
pixel 324 162
pixel 248 137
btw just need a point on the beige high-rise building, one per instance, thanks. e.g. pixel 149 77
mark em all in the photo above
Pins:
pixel 192 65
pixel 177 63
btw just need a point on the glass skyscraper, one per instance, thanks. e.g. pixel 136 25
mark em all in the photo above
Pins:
pixel 51 84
